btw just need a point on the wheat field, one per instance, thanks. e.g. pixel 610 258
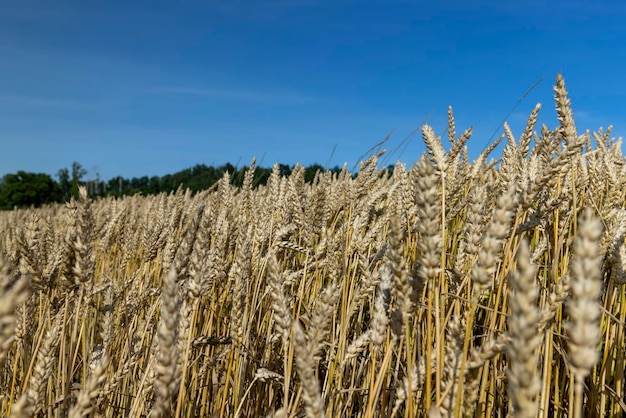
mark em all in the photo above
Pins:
pixel 452 288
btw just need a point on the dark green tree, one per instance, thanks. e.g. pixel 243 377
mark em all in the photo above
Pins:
pixel 285 170
pixel 28 189
pixel 310 171
pixel 64 182
pixel 154 186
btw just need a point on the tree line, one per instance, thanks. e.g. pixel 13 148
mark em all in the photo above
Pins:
pixel 24 189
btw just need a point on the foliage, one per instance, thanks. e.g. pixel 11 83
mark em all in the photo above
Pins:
pixel 28 189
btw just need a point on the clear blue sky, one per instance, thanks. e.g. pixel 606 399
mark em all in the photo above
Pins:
pixel 138 88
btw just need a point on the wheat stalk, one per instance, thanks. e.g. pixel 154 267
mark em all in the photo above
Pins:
pixel 583 328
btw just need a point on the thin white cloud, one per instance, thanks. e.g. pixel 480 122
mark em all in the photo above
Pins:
pixel 242 95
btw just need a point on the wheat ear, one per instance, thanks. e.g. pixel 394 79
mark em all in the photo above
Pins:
pixel 167 359
pixel 524 384
pixel 29 403
pixel 583 328
pixel 10 299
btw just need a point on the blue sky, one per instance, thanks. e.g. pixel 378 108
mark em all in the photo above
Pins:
pixel 138 88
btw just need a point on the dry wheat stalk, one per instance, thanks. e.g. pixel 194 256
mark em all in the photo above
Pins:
pixel 583 328
pixel 523 379
pixel 11 296
pixel 428 261
pixel 498 231
pixel 85 404
pixel 450 382
pixel 167 358
pixel 305 363
pixel 29 403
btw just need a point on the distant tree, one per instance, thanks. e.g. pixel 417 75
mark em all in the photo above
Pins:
pixel 28 189
pixel 310 171
pixel 285 170
pixel 117 186
pixel 228 167
pixel 139 185
pixel 261 175
pixel 154 185
pixel 23 189
pixel 96 187
pixel 336 169
pixel 167 183
pixel 78 172
pixel 64 182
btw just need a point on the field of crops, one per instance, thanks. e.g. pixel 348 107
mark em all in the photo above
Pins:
pixel 449 288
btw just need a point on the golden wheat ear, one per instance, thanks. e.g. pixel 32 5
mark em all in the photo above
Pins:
pixel 583 327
